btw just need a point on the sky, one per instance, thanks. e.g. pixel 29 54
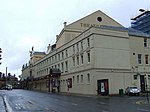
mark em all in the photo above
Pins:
pixel 35 23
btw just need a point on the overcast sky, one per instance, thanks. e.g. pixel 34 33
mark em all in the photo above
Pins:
pixel 27 23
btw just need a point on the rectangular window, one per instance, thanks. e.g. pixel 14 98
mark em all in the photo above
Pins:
pixel 73 59
pixel 73 49
pixel 62 67
pixel 81 78
pixel 139 58
pixel 66 66
pixel 135 77
pixel 73 79
pixel 52 59
pixel 62 55
pixel 82 45
pixel 88 56
pixel 77 60
pixel 55 58
pixel 88 78
pixel 81 58
pixel 145 42
pixel 58 57
pixel 59 66
pixel 77 47
pixel 66 53
pixel 148 77
pixel 88 42
pixel 77 78
pixel 146 59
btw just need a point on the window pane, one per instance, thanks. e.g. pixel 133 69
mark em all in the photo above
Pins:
pixel 139 59
pixel 146 59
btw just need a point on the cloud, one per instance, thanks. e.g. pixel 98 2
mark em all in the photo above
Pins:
pixel 27 23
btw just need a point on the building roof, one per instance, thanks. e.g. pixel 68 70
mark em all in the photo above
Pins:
pixel 38 53
pixel 145 12
pixel 131 31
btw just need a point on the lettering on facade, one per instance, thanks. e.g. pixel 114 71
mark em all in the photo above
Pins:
pixel 88 25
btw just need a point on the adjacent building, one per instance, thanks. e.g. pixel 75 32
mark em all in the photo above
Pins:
pixel 142 21
pixel 93 55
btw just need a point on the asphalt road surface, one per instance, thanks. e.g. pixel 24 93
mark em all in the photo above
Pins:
pixel 30 101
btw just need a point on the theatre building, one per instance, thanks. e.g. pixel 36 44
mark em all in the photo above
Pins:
pixel 93 55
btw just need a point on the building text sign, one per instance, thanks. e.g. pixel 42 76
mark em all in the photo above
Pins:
pixel 88 25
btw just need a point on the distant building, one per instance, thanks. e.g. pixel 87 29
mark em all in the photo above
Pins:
pixel 142 22
pixel 93 55
pixel 9 79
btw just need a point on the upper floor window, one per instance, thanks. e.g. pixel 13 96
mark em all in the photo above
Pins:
pixel 77 47
pixel 59 57
pixel 139 58
pixel 81 78
pixel 73 59
pixel 66 53
pixel 73 79
pixel 62 55
pixel 81 45
pixel 59 66
pixel 88 78
pixel 77 78
pixel 88 42
pixel 62 67
pixel 88 56
pixel 52 59
pixel 81 58
pixel 66 66
pixel 73 49
pixel 146 59
pixel 145 42
pixel 77 60
pixel 55 57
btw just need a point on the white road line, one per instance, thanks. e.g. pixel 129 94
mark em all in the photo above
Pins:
pixel 8 107
pixel 103 103
pixel 105 111
pixel 142 110
pixel 74 104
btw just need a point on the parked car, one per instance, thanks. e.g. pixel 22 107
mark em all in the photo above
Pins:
pixel 132 91
pixel 9 87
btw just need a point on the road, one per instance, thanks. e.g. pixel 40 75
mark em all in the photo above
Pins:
pixel 30 101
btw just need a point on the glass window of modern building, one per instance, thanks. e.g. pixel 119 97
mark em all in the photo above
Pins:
pixel 142 22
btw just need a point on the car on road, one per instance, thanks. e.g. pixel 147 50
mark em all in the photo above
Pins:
pixel 132 91
pixel 9 87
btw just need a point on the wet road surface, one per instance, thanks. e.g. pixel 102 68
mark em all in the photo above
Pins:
pixel 30 101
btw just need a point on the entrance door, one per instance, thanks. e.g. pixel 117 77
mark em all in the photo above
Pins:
pixel 142 83
pixel 102 87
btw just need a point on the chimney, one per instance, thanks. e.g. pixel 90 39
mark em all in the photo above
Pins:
pixel 65 23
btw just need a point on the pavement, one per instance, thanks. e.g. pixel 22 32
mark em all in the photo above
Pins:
pixel 2 105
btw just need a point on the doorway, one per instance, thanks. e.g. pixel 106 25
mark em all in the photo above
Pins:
pixel 103 87
pixel 142 83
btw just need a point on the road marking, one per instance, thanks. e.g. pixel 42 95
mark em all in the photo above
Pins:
pixel 103 103
pixel 105 111
pixel 20 106
pixel 74 104
pixel 8 107
pixel 142 110
pixel 46 108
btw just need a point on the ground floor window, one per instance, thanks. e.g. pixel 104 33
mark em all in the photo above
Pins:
pixel 148 77
pixel 135 77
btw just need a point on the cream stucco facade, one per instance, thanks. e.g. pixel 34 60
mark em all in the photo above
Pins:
pixel 96 55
